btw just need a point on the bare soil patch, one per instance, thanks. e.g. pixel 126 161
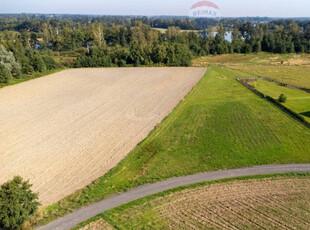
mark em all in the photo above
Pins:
pixel 65 130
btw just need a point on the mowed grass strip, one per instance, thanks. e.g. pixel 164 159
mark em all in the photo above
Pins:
pixel 297 100
pixel 278 201
pixel 219 125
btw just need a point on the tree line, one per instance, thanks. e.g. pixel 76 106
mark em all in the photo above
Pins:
pixel 32 21
pixel 29 44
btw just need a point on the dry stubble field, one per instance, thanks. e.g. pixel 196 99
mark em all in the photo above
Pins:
pixel 276 203
pixel 67 129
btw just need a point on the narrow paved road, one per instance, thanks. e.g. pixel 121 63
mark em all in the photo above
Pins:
pixel 87 212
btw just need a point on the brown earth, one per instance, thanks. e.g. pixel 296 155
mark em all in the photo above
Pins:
pixel 65 130
pixel 274 203
pixel 260 204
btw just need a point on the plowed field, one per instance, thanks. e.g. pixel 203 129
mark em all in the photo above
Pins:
pixel 282 203
pixel 67 129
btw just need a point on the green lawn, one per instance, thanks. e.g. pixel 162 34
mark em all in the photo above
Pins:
pixel 297 100
pixel 221 124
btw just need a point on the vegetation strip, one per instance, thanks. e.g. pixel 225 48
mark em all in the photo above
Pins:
pixel 276 103
pixel 84 214
pixel 282 196
pixel 36 75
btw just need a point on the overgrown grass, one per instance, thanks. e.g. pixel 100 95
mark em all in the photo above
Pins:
pixel 298 100
pixel 292 75
pixel 254 59
pixel 142 211
pixel 219 125
pixel 23 78
pixel 292 69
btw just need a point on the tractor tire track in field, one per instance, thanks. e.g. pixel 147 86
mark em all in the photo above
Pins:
pixel 92 210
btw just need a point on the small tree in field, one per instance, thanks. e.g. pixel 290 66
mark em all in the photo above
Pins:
pixel 17 203
pixel 282 98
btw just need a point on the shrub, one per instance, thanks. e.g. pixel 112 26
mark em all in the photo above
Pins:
pixel 8 60
pixel 49 62
pixel 4 74
pixel 27 69
pixel 38 63
pixel 95 58
pixel 17 203
pixel 282 98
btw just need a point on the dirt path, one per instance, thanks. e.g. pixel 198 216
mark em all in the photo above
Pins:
pixel 85 213
pixel 65 130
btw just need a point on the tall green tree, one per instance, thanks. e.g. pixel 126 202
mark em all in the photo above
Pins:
pixel 237 42
pixel 17 203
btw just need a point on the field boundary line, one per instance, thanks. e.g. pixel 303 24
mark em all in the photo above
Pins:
pixel 71 220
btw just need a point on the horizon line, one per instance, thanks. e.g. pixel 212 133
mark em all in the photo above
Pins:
pixel 141 15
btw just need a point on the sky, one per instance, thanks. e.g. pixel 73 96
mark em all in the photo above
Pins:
pixel 228 8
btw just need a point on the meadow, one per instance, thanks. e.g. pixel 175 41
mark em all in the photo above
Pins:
pixel 219 125
pixel 292 69
pixel 279 202
pixel 297 100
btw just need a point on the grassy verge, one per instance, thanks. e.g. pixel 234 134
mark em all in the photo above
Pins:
pixel 219 125
pixel 146 214
pixel 15 81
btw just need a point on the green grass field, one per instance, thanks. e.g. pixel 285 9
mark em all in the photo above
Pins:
pixel 298 100
pixel 292 69
pixel 292 75
pixel 171 208
pixel 219 125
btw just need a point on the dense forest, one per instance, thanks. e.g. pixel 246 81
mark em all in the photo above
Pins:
pixel 36 43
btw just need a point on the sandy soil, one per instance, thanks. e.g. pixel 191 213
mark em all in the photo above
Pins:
pixel 65 130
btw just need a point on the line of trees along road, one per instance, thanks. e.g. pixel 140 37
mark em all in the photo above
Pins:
pixel 29 44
